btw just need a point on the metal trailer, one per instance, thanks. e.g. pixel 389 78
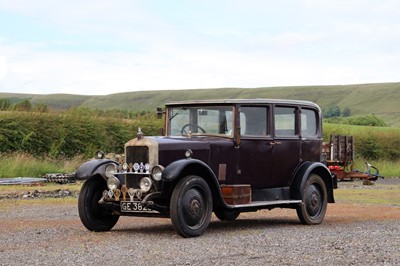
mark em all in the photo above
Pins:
pixel 339 157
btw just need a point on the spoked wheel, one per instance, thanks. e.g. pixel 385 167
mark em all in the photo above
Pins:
pixel 314 197
pixel 224 215
pixel 93 215
pixel 191 206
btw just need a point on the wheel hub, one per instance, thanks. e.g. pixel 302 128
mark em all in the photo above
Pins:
pixel 313 201
pixel 193 207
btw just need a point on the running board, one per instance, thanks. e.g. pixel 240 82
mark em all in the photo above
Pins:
pixel 265 204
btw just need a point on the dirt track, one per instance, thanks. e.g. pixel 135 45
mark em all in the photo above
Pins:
pixel 41 233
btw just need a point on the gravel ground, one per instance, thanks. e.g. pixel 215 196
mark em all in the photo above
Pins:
pixel 43 233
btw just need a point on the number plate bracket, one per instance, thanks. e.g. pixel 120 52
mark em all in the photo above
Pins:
pixel 134 206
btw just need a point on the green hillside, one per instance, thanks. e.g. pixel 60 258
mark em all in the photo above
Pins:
pixel 60 101
pixel 381 99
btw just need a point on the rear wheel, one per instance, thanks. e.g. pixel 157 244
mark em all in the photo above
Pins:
pixel 191 206
pixel 93 215
pixel 314 197
pixel 224 215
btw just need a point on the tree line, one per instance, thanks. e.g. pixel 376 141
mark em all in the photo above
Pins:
pixel 333 114
pixel 24 105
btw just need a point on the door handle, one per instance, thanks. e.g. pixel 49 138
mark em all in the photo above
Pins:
pixel 272 143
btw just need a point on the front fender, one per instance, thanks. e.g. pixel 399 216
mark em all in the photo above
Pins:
pixel 175 169
pixel 91 168
pixel 184 167
pixel 304 172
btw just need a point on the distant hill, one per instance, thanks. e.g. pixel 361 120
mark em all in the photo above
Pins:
pixel 381 99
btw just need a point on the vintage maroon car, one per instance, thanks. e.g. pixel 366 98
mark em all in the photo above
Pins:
pixel 221 156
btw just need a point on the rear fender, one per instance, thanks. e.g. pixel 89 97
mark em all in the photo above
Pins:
pixel 181 168
pixel 305 170
pixel 93 167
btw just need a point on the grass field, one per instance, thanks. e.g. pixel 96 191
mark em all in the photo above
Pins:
pixel 342 129
pixel 386 168
pixel 26 165
pixel 380 99
pixel 379 144
pixel 380 193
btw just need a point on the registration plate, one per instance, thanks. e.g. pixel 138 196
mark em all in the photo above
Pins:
pixel 134 206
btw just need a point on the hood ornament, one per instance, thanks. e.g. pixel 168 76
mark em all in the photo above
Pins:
pixel 139 134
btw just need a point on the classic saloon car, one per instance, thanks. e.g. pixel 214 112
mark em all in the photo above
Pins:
pixel 221 156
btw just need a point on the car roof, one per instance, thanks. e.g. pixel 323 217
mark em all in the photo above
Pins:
pixel 243 101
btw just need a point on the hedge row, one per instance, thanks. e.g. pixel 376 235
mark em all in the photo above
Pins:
pixel 371 143
pixel 58 135
pixel 69 135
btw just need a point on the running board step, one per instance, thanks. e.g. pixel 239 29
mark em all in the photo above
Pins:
pixel 261 204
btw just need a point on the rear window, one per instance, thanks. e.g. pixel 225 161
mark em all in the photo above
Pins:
pixel 285 121
pixel 308 123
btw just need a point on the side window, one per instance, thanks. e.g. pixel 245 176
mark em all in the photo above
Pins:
pixel 308 123
pixel 253 121
pixel 285 121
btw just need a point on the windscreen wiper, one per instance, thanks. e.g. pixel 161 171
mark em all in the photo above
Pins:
pixel 177 113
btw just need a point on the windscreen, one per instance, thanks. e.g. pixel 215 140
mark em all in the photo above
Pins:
pixel 209 120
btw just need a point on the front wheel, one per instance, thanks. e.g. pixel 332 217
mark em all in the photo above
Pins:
pixel 93 215
pixel 314 197
pixel 191 206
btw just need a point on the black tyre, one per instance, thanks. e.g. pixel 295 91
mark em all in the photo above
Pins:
pixel 94 216
pixel 314 197
pixel 224 215
pixel 191 206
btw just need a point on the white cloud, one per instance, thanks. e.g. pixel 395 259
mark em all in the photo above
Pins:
pixel 317 42
pixel 83 16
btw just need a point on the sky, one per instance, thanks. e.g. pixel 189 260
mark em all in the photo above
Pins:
pixel 98 47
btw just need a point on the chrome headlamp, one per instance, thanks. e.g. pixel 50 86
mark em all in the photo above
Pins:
pixel 100 154
pixel 156 172
pixel 113 183
pixel 145 184
pixel 110 171
pixel 188 153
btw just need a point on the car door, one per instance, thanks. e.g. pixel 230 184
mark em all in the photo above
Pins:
pixel 286 145
pixel 254 152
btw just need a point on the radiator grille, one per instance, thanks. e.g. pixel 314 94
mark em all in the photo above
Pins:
pixel 137 154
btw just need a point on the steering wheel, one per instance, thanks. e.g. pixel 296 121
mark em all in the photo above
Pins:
pixel 183 131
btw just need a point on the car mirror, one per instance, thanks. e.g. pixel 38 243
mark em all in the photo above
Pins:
pixel 160 112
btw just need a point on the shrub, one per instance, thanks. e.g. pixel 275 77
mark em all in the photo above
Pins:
pixel 369 120
pixel 331 111
pixel 68 135
pixel 25 105
pixel 369 148
pixel 381 143
pixel 4 104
